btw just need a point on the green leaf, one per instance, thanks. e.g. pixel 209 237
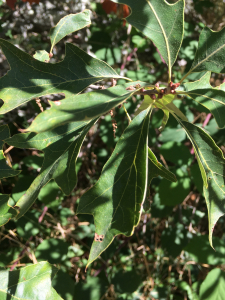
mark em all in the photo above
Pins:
pixel 41 55
pixel 126 282
pixel 6 211
pixel 5 170
pixel 29 78
pixel 92 289
pixel 82 107
pixel 32 282
pixel 212 166
pixel 69 24
pixel 210 53
pixel 116 199
pixel 200 251
pixel 212 98
pixel 213 287
pixel 61 148
pixel 160 21
pixel 155 168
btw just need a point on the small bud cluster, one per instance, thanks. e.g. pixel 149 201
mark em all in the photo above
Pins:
pixel 171 89
pixel 114 124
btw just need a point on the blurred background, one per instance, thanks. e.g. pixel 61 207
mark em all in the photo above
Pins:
pixel 168 256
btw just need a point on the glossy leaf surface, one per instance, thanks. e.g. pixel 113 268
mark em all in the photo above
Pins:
pixel 29 78
pixel 160 21
pixel 32 282
pixel 212 166
pixel 69 24
pixel 210 53
pixel 61 148
pixel 82 107
pixel 6 211
pixel 212 98
pixel 116 199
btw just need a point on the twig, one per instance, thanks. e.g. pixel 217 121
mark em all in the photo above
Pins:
pixel 128 58
pixel 207 119
pixel 129 118
pixel 8 149
pixel 40 219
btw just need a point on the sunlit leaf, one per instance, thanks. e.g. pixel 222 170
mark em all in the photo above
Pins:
pixel 29 78
pixel 116 199
pixel 213 287
pixel 61 148
pixel 83 107
pixel 69 24
pixel 41 55
pixel 160 21
pixel 212 166
pixel 210 53
pixel 32 282
pixel 6 211
pixel 212 98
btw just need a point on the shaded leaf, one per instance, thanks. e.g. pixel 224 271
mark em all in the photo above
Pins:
pixel 88 106
pixel 212 166
pixel 29 78
pixel 155 168
pixel 61 148
pixel 5 169
pixel 126 282
pixel 92 289
pixel 160 21
pixel 6 211
pixel 212 98
pixel 116 199
pixel 51 250
pixel 174 239
pixel 200 251
pixel 32 282
pixel 210 53
pixel 64 285
pixel 69 24
pixel 174 193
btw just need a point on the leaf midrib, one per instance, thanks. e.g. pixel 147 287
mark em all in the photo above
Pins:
pixel 202 61
pixel 164 35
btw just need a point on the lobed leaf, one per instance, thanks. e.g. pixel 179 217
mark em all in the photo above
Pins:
pixel 212 98
pixel 160 21
pixel 29 78
pixel 116 199
pixel 210 53
pixel 61 148
pixel 83 107
pixel 32 282
pixel 212 166
pixel 69 24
